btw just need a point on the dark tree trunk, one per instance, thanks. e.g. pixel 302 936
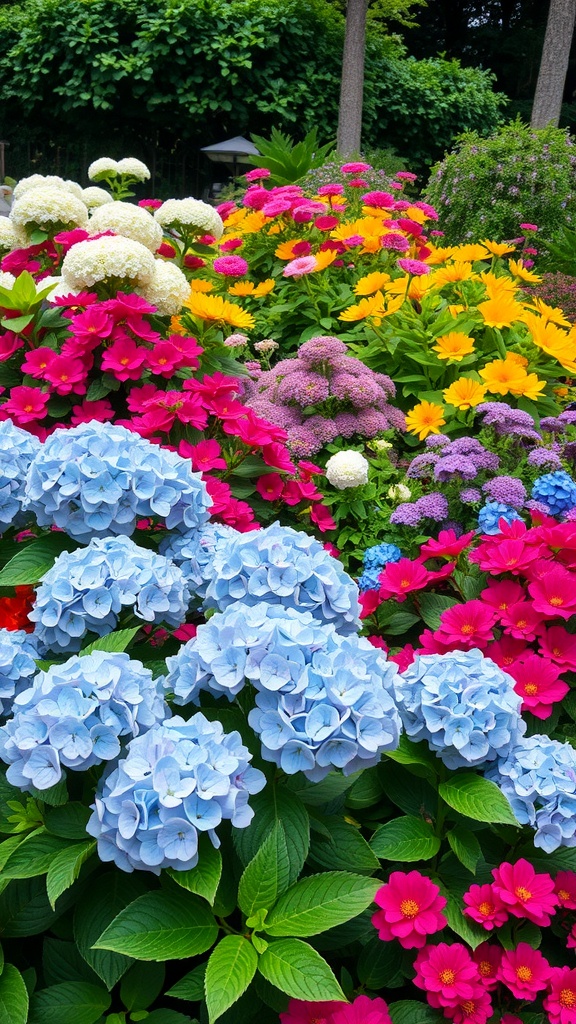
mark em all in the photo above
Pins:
pixel 554 63
pixel 352 83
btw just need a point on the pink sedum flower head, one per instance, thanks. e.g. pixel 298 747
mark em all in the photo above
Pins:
pixel 411 909
pixel 525 893
pixel 560 1003
pixel 524 971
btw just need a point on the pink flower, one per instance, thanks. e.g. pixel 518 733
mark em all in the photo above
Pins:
pixel 185 632
pixel 470 624
pixel 525 893
pixel 414 267
pixel 277 456
pixel 560 1003
pixel 506 555
pixel 299 1012
pixel 25 405
pixel 483 905
pixel 448 545
pixel 230 266
pixel 91 327
pixel 330 190
pixel 537 682
pixel 502 594
pixel 357 183
pixel 270 486
pixel 406 175
pixel 400 578
pixel 555 593
pixel 124 360
pixel 326 223
pixel 506 651
pixel 257 174
pixel 163 359
pixel 355 167
pixel 100 410
pixel 295 491
pixel 384 200
pixel 275 207
pixel 395 241
pixel 487 959
pixel 411 909
pixel 529 227
pixel 565 889
pixel 322 517
pixel 362 1011
pixel 9 344
pixel 510 1018
pixel 66 375
pixel 231 244
pixel 448 971
pixel 193 262
pixel 37 362
pixel 524 971
pixel 475 1010
pixel 300 266
pixel 150 204
pixel 404 657
pixel 205 455
pixel 521 620
pixel 409 226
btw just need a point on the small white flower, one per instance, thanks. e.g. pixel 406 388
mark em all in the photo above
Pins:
pixel 11 237
pixel 93 197
pixel 168 289
pixel 135 168
pixel 7 280
pixel 74 188
pixel 102 168
pixel 127 220
pixel 347 469
pixel 112 256
pixel 47 207
pixel 267 345
pixel 399 492
pixel 190 213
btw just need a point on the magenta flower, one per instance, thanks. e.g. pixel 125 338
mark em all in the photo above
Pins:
pixel 124 359
pixel 300 1012
pixel 487 959
pixel 362 1011
pixel 91 327
pixel 326 222
pixel 414 267
pixel 483 905
pixel 270 487
pixel 555 593
pixel 355 167
pixel 25 404
pixel 560 1003
pixel 330 190
pixel 230 266
pixel 66 375
pixel 394 240
pixel 525 893
pixel 470 625
pixel 205 455
pixel 300 266
pixel 100 410
pixel 383 200
pixel 565 889
pixel 411 909
pixel 9 344
pixel 257 174
pixel 37 362
pixel 537 682
pixel 522 621
pixel 406 175
pixel 448 971
pixel 524 971
pixel 163 359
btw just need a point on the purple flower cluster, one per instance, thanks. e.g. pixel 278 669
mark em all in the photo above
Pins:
pixel 508 421
pixel 430 506
pixel 321 394
pixel 462 459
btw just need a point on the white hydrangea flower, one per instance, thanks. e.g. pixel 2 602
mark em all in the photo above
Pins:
pixel 102 168
pixel 127 220
pixel 7 280
pixel 135 168
pixel 93 197
pixel 46 206
pixel 168 289
pixel 11 237
pixel 74 188
pixel 53 283
pixel 399 492
pixel 190 213
pixel 38 181
pixel 99 259
pixel 347 469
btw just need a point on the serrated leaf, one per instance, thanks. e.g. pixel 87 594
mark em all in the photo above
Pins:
pixel 72 1002
pixel 431 607
pixel 320 902
pixel 465 847
pixel 141 985
pixel 68 821
pixel 112 643
pixel 409 1011
pixel 100 904
pixel 13 997
pixel 29 565
pixel 273 804
pixel 161 925
pixel 65 868
pixel 344 846
pixel 230 969
pixel 477 798
pixel 33 856
pixel 61 961
pixel 405 839
pixel 204 879
pixel 267 875
pixel 299 971
pixel 191 986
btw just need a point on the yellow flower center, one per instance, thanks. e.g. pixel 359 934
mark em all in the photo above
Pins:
pixel 557 602
pixel 531 689
pixel 524 973
pixel 467 629
pixel 563 894
pixel 485 908
pixel 409 908
pixel 567 997
pixel 447 977
pixel 485 968
pixel 522 893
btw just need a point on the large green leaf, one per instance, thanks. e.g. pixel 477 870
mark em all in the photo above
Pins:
pixel 345 846
pixel 112 643
pixel 72 1002
pixel 141 985
pixel 13 997
pixel 25 910
pixel 297 969
pixel 101 902
pixel 191 986
pixel 465 847
pixel 29 565
pixel 409 1011
pixel 267 875
pixel 68 821
pixel 231 967
pixel 205 877
pixel 162 925
pixel 380 965
pixel 320 902
pixel 405 839
pixel 65 868
pixel 276 803
pixel 33 856
pixel 477 798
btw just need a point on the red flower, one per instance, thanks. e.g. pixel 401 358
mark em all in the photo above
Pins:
pixel 205 455
pixel 14 610
pixel 300 1012
pixel 525 893
pixel 399 578
pixel 320 515
pixel 270 486
pixel 411 909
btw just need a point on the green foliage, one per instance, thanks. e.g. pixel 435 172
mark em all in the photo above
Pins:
pixel 287 160
pixel 493 185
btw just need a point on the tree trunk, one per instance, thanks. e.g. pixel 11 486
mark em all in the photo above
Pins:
pixel 554 63
pixel 352 82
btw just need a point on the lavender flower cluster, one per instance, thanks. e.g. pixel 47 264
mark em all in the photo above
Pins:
pixel 178 780
pixel 86 591
pixel 322 394
pixel 74 716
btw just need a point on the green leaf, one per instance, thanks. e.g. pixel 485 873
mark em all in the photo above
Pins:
pixel 267 875
pixel 405 839
pixel 465 846
pixel 33 856
pixel 409 1011
pixel 297 969
pixel 164 925
pixel 344 846
pixel 13 997
pixel 61 961
pixel 141 985
pixel 112 643
pixel 29 565
pixel 165 1017
pixel 100 904
pixel 380 965
pixel 320 902
pixel 431 607
pixel 72 1002
pixel 275 803
pixel 68 821
pixel 191 986
pixel 17 323
pixel 204 879
pixel 230 969
pixel 24 908
pixel 477 798
pixel 468 930
pixel 65 868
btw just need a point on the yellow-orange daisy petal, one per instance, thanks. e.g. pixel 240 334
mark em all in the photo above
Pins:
pixel 464 393
pixel 470 251
pixel 217 310
pixel 425 418
pixel 515 357
pixel 371 306
pixel 285 251
pixel 371 283
pixel 519 270
pixel 453 272
pixel 530 387
pixel 497 248
pixel 454 346
pixel 502 375
pixel 553 313
pixel 416 214
pixel 199 284
pixel 439 254
pixel 324 259
pixel 242 288
pixel 264 288
pixel 501 311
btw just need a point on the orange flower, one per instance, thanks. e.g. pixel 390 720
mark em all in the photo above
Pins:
pixel 470 251
pixel 501 311
pixel 371 306
pixel 553 313
pixel 285 251
pixel 497 248
pixel 198 284
pixel 464 393
pixel 425 418
pixel 243 288
pixel 218 310
pixel 454 346
pixel 453 272
pixel 503 376
pixel 324 259
pixel 519 270
pixel 371 283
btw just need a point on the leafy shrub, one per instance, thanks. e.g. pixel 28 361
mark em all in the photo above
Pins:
pixel 385 163
pixel 558 289
pixel 287 160
pixel 493 185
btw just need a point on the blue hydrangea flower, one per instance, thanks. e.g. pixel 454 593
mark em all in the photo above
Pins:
pixel 98 479
pixel 194 553
pixel 17 449
pixel 18 653
pixel 538 776
pixel 557 491
pixel 74 716
pixel 490 515
pixel 178 780
pixel 284 566
pixel 462 704
pixel 87 589
pixel 375 558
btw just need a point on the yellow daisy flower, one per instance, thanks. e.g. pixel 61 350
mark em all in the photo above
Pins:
pixel 454 346
pixel 497 248
pixel 464 393
pixel 501 311
pixel 456 308
pixel 471 251
pixel 416 214
pixel 439 254
pixel 453 272
pixel 496 286
pixel 519 270
pixel 324 259
pixel 218 310
pixel 425 418
pixel 553 313
pixel 372 306
pixel 502 376
pixel 531 387
pixel 285 251
pixel 199 284
pixel 371 283
pixel 249 288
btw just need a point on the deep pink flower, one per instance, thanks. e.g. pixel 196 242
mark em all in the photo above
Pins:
pixel 484 905
pixel 91 327
pixel 188 348
pixel 230 266
pixel 239 515
pixel 26 404
pixel 411 909
pixel 217 385
pixel 406 175
pixel 326 223
pixel 524 971
pixel 560 1003
pixel 505 555
pixel 400 578
pixel 510 1018
pixel 448 971
pixel 555 593
pixel 487 959
pixel 404 657
pixel 205 455
pixel 100 410
pixel 565 889
pixel 187 631
pixel 470 624
pixel 448 545
pixel 506 651
pixel 270 486
pixel 67 376
pixel 355 167
pixel 395 241
pixel 299 1012
pixel 193 262
pixel 475 1010
pixel 37 362
pixel 411 228
pixel 358 183
pixel 150 204
pixel 74 301
pixel 334 189
pixel 231 244
pixel 257 174
pixel 522 621
pixel 320 515
pixel 525 893
pixel 538 682
pixel 296 491
pixel 502 594
pixel 163 359
pixel 9 344
pixel 433 643
pixel 124 360
pixel 277 456
pixel 571 940
pixel 362 1011
pixel 383 200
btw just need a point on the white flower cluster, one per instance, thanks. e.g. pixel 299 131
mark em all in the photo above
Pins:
pixel 105 168
pixel 11 237
pixel 186 213
pixel 112 256
pixel 347 469
pixel 129 221
pixel 47 206
pixel 93 197
pixel 46 181
pixel 168 289
pixel 7 280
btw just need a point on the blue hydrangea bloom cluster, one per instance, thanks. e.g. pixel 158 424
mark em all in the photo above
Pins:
pixel 324 700
pixel 178 780
pixel 285 566
pixel 87 589
pixel 17 449
pixel 538 776
pixel 462 704
pixel 98 479
pixel 557 491
pixel 490 515
pixel 74 716
pixel 18 653
pixel 194 553
pixel 375 558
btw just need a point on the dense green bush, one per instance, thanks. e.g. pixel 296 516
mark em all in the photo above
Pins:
pixel 493 185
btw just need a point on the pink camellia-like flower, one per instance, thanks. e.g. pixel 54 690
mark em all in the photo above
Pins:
pixel 471 624
pixel 100 410
pixel 487 959
pixel 411 909
pixel 258 174
pixel 124 359
pixel 383 200
pixel 230 266
pixel 565 889
pixel 231 244
pixel 362 1011
pixel 484 906
pixel 414 267
pixel 300 266
pixel 66 375
pixel 555 593
pixel 326 222
pixel 560 646
pixel 502 594
pixel 560 1003
pixel 25 404
pixel 537 682
pixel 524 971
pixel 475 1010
pixel 448 971
pixel 524 892
pixel 355 167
